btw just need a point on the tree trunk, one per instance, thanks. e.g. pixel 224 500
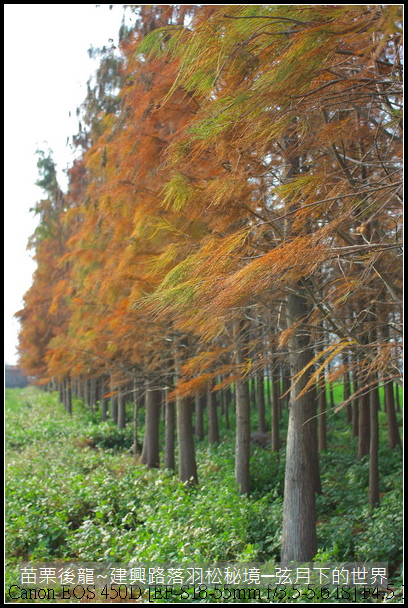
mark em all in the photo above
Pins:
pixel 268 386
pixel 397 398
pixel 276 407
pixel 364 426
pixel 61 392
pixel 73 387
pixel 369 337
pixel 187 466
pixel 389 403
pixel 121 409
pixel 92 394
pixel 229 395
pixel 331 390
pixel 347 388
pixel 199 416
pixel 251 390
pixel 213 433
pixel 227 404
pixel 242 428
pixel 185 437
pixel 98 392
pixel 285 386
pixel 114 403
pixel 135 424
pixel 170 428
pixel 393 431
pixel 374 489
pixel 68 395
pixel 150 453
pixel 299 507
pixel 260 398
pixel 104 401
pixel 221 402
pixel 86 392
pixel 355 414
pixel 242 443
pixel 322 403
pixel 80 388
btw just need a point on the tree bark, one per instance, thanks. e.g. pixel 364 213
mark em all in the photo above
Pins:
pixel 135 421
pixel 242 443
pixel 227 405
pixel 114 407
pixel 185 437
pixel 187 466
pixel 213 432
pixel 331 390
pixel 86 391
pixel 92 394
pixel 374 488
pixel 199 416
pixel 260 398
pixel 242 408
pixel 322 403
pixel 285 386
pixel 151 447
pixel 347 388
pixel 68 396
pixel 104 401
pixel 170 428
pixel 393 431
pixel 397 398
pixel 364 426
pixel 251 390
pixel 80 388
pixel 355 414
pixel 299 507
pixel 121 409
pixel 276 407
pixel 389 403
pixel 61 392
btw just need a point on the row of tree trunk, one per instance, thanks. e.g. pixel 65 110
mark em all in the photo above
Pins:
pixel 306 433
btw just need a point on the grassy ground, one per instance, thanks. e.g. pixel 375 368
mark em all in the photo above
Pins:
pixel 73 492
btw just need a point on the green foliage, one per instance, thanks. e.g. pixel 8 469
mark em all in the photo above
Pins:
pixel 383 536
pixel 108 436
pixel 347 528
pixel 48 174
pixel 78 511
pixel 178 192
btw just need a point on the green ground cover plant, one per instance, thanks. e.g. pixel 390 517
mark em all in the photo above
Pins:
pixel 69 498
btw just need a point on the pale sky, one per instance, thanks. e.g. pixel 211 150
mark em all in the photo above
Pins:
pixel 46 70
